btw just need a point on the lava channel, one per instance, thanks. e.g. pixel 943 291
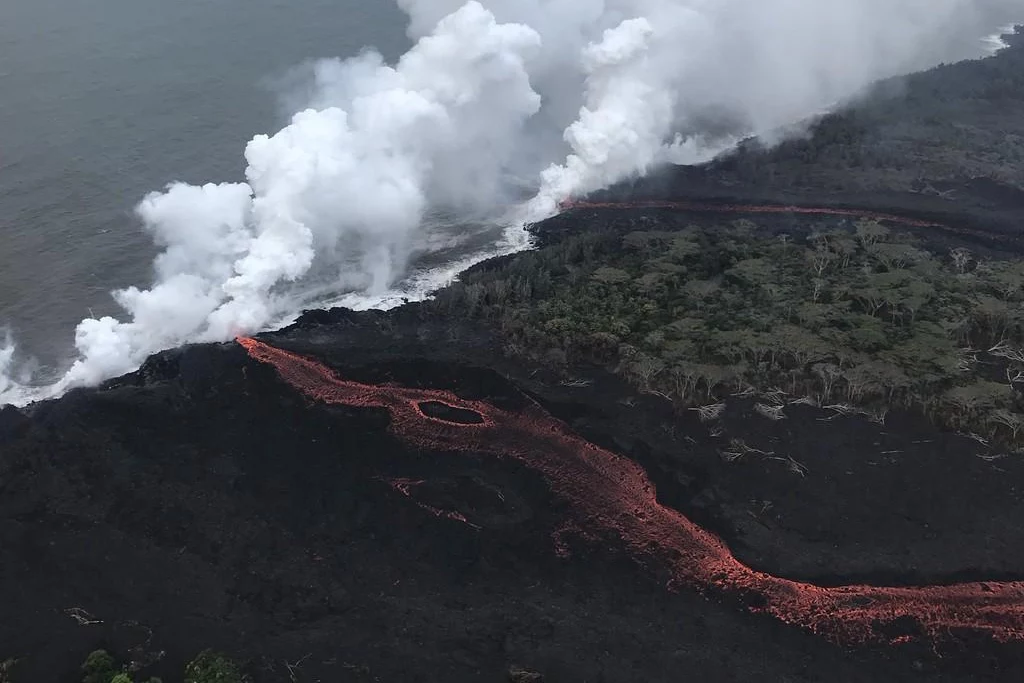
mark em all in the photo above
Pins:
pixel 611 494
pixel 703 207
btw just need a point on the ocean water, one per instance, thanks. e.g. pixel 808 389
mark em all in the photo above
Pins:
pixel 102 101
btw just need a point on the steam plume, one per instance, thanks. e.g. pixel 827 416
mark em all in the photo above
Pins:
pixel 560 96
pixel 7 385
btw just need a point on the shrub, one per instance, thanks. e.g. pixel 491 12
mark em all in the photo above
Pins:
pixel 99 667
pixel 212 667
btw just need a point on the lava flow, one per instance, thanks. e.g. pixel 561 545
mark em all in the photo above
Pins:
pixel 702 207
pixel 405 486
pixel 610 494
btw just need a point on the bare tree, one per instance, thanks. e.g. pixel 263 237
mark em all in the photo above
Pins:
pixel 819 286
pixel 710 412
pixel 791 464
pixel 829 375
pixel 870 233
pixel 820 256
pixel 685 379
pixel 1004 350
pixel 646 368
pixel 772 412
pixel 1012 421
pixel 961 259
pixel 739 448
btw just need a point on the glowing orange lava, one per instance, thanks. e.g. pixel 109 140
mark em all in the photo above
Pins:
pixel 610 494
pixel 406 486
pixel 745 208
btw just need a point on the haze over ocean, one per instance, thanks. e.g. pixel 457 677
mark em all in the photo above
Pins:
pixel 103 101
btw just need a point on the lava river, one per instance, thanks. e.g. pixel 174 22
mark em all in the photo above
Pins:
pixel 612 495
pixel 704 207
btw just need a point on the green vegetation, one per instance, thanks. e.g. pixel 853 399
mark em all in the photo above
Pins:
pixel 858 319
pixel 99 667
pixel 208 667
pixel 212 667
pixel 6 666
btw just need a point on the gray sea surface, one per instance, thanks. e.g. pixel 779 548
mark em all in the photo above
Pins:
pixel 103 101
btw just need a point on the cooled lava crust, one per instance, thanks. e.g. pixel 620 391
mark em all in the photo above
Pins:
pixel 611 494
pixel 413 505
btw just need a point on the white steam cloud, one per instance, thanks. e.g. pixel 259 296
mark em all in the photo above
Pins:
pixel 561 97
pixel 7 384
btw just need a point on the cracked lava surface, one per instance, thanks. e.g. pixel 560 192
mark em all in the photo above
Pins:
pixel 610 494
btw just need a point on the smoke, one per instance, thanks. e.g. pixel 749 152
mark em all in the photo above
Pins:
pixel 496 100
pixel 996 42
pixel 760 65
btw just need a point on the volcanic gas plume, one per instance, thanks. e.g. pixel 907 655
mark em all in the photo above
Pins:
pixel 609 494
pixel 496 101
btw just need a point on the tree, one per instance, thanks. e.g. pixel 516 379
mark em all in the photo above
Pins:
pixel 213 667
pixel 869 233
pixel 981 396
pixel 819 288
pixel 844 247
pixel 897 256
pixel 684 378
pixel 1014 422
pixel 606 275
pixel 798 344
pixel 829 374
pixel 993 316
pixel 651 284
pixel 681 248
pixel 813 315
pixel 928 355
pixel 1006 278
pixel 873 298
pixel 914 296
pixel 869 317
pixel 755 273
pixel 647 242
pixel 743 228
pixel 700 292
pixel 474 295
pixel 820 256
pixel 712 376
pixel 961 259
pixel 866 333
pixel 99 667
pixel 645 368
pixel 864 381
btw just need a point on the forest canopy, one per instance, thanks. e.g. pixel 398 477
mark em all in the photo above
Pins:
pixel 859 318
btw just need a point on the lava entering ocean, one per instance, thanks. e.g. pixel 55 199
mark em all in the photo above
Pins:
pixel 610 494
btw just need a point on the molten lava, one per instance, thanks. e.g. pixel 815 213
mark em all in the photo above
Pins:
pixel 610 494
pixel 701 207
pixel 406 486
